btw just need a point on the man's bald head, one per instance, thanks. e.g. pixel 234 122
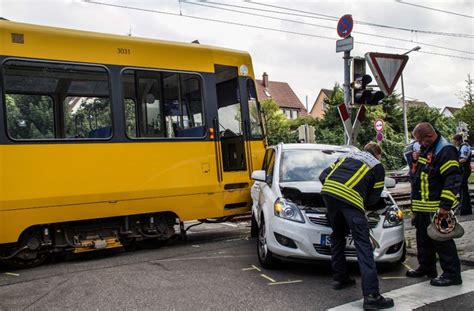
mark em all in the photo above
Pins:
pixel 425 134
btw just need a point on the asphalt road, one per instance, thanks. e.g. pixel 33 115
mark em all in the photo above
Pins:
pixel 215 269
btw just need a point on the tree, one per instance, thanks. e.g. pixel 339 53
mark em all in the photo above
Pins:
pixel 278 126
pixel 446 126
pixel 466 113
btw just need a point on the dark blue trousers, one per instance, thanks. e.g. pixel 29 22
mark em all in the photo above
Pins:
pixel 344 217
pixel 427 249
pixel 465 198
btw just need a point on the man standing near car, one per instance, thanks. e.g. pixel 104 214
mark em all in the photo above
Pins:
pixel 434 188
pixel 465 158
pixel 349 185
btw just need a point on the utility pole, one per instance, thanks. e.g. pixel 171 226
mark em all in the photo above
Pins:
pixel 405 121
pixel 347 84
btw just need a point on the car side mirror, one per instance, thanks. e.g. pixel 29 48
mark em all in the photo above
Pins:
pixel 390 182
pixel 259 176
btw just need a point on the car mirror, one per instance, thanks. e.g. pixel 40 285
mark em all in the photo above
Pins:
pixel 259 176
pixel 390 182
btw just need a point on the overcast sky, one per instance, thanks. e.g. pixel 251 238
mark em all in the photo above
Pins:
pixel 306 63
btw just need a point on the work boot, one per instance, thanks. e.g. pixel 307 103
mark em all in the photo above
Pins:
pixel 419 272
pixel 376 302
pixel 446 281
pixel 348 282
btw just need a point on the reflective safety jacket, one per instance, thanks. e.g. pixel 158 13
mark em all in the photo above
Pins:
pixel 357 178
pixel 437 178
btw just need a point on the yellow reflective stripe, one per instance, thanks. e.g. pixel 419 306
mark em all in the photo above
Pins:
pixel 340 186
pixel 422 160
pixel 425 191
pixel 425 203
pixel 448 194
pixel 361 172
pixel 335 168
pixel 379 184
pixel 447 165
pixel 424 206
pixel 342 194
pixel 333 165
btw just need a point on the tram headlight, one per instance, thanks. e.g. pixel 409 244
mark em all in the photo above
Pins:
pixel 288 210
pixel 393 217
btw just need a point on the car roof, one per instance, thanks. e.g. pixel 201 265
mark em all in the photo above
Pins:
pixel 316 147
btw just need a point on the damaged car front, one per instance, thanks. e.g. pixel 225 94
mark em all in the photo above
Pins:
pixel 289 215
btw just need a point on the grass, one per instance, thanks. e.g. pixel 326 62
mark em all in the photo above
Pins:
pixel 471 179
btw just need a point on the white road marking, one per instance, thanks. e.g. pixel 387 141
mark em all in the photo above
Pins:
pixel 419 295
pixel 11 274
pixel 286 282
pixel 200 258
pixel 252 268
pixel 268 278
pixel 394 277
pixel 230 225
pixel 407 266
pixel 256 268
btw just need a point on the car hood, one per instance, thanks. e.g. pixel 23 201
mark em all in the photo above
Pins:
pixel 303 186
pixel 307 195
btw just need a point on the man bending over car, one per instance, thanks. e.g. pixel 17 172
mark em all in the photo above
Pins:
pixel 355 181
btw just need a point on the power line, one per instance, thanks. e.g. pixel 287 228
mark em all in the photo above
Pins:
pixel 323 26
pixel 433 9
pixel 263 28
pixel 439 33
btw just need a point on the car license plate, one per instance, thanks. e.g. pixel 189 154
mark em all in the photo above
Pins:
pixel 326 240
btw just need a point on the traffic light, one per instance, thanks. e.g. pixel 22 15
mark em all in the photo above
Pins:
pixel 361 95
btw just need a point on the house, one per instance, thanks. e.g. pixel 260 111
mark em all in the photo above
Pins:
pixel 449 111
pixel 282 93
pixel 319 107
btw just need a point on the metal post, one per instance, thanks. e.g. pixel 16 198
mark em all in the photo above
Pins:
pixel 347 83
pixel 405 122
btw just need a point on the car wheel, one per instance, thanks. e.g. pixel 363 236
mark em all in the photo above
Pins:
pixel 253 227
pixel 265 256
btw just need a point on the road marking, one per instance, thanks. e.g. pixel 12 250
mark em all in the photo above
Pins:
pixel 200 258
pixel 418 295
pixel 230 225
pixel 394 277
pixel 268 278
pixel 286 282
pixel 11 274
pixel 407 266
pixel 252 268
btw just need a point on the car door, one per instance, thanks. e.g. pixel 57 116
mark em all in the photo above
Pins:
pixel 265 191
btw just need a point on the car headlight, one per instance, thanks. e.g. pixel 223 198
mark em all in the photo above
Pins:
pixel 393 217
pixel 288 210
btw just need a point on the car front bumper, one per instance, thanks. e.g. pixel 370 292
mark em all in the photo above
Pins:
pixel 307 238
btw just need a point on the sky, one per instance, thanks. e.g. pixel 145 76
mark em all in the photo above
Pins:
pixel 307 63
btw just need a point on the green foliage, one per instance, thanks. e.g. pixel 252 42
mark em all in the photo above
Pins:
pixel 466 113
pixel 30 116
pixel 446 126
pixel 278 126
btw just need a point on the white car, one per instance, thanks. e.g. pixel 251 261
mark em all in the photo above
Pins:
pixel 289 216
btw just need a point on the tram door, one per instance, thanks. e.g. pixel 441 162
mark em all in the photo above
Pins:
pixel 233 153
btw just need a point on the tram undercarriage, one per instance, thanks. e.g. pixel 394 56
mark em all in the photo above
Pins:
pixel 37 243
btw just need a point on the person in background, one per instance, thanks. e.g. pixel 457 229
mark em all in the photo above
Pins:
pixel 350 185
pixel 465 158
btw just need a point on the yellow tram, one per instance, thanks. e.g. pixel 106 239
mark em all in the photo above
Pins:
pixel 109 139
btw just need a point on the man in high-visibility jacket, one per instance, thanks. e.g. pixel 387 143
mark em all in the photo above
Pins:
pixel 434 188
pixel 352 183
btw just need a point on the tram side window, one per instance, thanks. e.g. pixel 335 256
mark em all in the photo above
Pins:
pixel 56 101
pixel 163 104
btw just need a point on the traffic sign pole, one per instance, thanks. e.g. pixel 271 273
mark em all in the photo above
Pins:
pixel 344 29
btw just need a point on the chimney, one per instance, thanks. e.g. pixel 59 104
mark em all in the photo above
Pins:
pixel 265 79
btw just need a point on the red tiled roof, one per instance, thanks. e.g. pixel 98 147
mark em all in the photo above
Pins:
pixel 282 93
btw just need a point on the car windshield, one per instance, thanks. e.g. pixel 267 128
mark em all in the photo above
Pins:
pixel 306 164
